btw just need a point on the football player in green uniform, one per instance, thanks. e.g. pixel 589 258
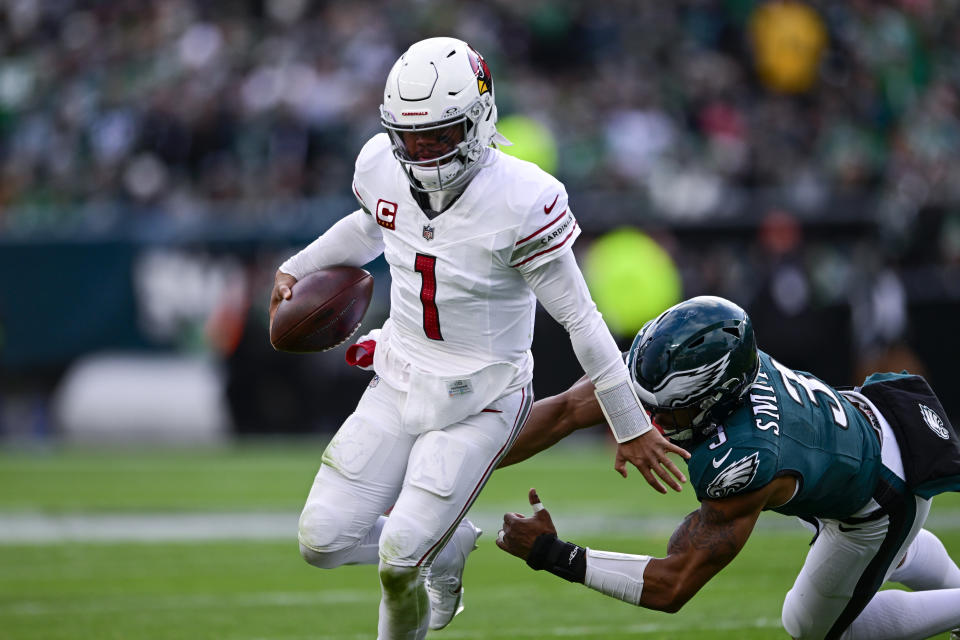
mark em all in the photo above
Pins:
pixel 861 466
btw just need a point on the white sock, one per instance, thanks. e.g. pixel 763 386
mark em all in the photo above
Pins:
pixel 404 606
pixel 927 565
pixel 906 615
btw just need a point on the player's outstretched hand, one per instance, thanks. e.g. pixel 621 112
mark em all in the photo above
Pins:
pixel 648 453
pixel 518 533
pixel 282 290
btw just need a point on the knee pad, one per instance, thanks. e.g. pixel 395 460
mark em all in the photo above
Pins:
pixel 796 619
pixel 402 540
pixel 325 524
pixel 788 617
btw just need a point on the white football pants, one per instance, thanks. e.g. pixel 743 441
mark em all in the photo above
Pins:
pixel 429 479
pixel 845 561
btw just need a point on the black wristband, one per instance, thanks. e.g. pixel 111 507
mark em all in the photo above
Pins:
pixel 563 559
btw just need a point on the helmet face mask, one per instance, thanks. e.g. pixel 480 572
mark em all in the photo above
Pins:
pixel 439 86
pixel 692 365
pixel 675 421
pixel 431 155
pixel 430 146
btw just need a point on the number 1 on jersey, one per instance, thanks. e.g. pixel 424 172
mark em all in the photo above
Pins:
pixel 426 266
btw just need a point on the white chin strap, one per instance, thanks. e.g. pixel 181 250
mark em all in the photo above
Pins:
pixel 437 177
pixel 500 140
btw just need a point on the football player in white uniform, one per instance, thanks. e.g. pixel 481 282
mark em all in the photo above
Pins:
pixel 473 238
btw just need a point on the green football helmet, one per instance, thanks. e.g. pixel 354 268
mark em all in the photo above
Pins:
pixel 693 364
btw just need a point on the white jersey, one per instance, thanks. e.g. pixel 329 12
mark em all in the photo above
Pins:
pixel 462 302
pixel 459 302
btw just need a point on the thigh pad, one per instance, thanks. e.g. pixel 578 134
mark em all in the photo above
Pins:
pixel 436 463
pixel 353 447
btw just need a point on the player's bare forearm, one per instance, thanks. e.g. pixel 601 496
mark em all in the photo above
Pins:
pixel 703 544
pixel 554 418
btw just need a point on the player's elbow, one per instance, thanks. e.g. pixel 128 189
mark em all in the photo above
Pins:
pixel 670 599
pixel 674 605
pixel 669 605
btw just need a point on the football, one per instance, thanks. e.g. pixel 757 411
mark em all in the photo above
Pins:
pixel 325 310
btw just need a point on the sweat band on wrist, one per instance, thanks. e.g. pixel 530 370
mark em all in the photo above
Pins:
pixel 623 411
pixel 563 559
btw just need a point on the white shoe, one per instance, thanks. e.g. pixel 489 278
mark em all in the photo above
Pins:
pixel 955 634
pixel 445 583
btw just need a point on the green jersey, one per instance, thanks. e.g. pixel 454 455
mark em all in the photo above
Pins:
pixel 792 423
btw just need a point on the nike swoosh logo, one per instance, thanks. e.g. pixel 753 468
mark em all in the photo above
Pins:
pixel 547 209
pixel 717 463
pixel 847 529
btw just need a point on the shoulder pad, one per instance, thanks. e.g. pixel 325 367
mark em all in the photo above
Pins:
pixel 728 471
pixel 372 152
pixel 529 190
pixel 369 163
pixel 547 225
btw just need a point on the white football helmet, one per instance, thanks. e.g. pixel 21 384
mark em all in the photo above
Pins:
pixel 438 108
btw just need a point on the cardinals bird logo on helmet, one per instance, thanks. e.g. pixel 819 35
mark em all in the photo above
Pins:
pixel 481 70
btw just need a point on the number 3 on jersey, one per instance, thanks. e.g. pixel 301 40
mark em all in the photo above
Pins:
pixel 426 266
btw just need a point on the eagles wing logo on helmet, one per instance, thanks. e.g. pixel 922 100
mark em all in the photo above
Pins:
pixel 735 477
pixel 481 70
pixel 681 386
pixel 934 422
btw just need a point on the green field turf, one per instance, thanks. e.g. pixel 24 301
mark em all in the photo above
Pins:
pixel 261 589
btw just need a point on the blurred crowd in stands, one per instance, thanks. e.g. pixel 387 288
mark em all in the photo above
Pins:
pixel 797 157
pixel 176 104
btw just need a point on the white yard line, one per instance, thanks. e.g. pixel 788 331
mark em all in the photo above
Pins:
pixel 45 528
pixel 40 528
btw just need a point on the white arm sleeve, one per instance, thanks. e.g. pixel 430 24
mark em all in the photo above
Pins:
pixel 561 289
pixel 618 575
pixel 354 240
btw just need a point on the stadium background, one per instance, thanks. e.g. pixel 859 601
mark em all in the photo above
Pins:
pixel 159 160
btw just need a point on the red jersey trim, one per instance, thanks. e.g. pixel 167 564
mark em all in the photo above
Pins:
pixel 542 229
pixel 553 248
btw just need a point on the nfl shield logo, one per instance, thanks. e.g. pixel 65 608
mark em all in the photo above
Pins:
pixel 427 232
